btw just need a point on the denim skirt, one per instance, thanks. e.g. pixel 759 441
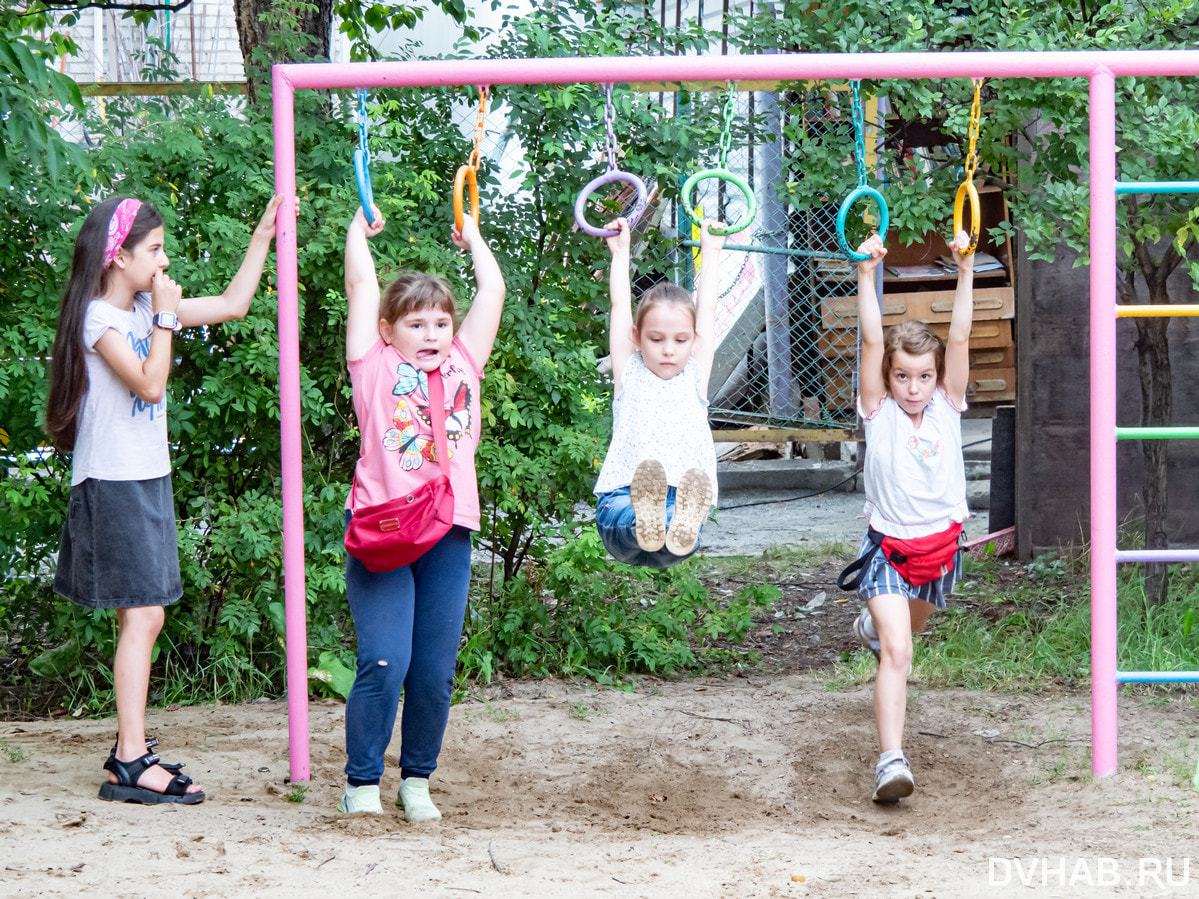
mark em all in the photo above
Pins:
pixel 119 546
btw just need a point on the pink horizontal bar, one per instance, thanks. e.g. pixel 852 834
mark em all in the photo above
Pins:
pixel 784 66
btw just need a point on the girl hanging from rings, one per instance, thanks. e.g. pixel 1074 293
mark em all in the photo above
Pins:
pixel 912 396
pixel 657 485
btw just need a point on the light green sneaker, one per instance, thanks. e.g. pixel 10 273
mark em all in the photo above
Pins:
pixel 414 800
pixel 365 799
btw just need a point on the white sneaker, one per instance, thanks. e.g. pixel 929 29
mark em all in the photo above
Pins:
pixel 692 503
pixel 365 799
pixel 862 627
pixel 414 800
pixel 893 781
pixel 647 493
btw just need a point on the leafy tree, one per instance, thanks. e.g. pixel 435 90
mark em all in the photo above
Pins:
pixel 1157 133
pixel 205 165
pixel 32 94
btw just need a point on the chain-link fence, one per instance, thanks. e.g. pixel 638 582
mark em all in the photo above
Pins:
pixel 786 319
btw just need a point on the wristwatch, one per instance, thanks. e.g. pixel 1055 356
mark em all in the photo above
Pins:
pixel 168 320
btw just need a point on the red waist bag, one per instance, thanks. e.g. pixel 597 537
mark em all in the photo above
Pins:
pixel 399 531
pixel 918 560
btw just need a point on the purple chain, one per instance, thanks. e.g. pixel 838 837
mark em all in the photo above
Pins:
pixel 610 122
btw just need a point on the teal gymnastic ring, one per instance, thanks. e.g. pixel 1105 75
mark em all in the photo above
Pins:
pixel 751 203
pixel 884 219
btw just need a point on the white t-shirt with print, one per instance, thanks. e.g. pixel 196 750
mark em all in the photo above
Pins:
pixel 118 437
pixel 915 477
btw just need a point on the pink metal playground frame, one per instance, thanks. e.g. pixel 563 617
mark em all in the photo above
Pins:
pixel 1099 68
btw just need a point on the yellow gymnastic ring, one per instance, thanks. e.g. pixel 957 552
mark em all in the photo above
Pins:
pixel 468 175
pixel 966 189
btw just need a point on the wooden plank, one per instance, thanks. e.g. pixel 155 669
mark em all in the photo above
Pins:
pixel 784 435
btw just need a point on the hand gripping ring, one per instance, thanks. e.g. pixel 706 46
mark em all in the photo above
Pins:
pixel 884 219
pixel 609 177
pixel 363 176
pixel 469 175
pixel 751 203
pixel 966 189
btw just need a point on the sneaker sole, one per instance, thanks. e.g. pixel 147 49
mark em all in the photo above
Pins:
pixel 647 493
pixel 692 501
pixel 894 790
pixel 865 640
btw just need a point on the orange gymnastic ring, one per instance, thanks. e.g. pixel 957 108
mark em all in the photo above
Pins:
pixel 966 189
pixel 469 175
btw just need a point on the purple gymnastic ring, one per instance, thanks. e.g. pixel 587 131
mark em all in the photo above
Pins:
pixel 608 178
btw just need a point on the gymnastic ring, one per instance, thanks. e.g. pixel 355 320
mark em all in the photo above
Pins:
pixel 609 177
pixel 363 176
pixel 884 218
pixel 751 203
pixel 469 175
pixel 966 189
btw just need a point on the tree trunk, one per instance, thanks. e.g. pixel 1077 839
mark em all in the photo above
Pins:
pixel 282 34
pixel 1157 406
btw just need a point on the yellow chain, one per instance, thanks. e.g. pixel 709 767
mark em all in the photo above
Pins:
pixel 975 118
pixel 480 127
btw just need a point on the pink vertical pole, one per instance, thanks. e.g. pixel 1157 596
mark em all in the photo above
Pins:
pixel 1103 422
pixel 289 424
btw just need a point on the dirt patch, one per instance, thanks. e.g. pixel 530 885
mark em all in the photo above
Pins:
pixel 715 787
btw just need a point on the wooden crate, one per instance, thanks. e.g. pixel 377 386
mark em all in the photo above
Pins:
pixel 937 305
pixel 983 334
pixel 991 386
pixel 992 357
pixel 838 344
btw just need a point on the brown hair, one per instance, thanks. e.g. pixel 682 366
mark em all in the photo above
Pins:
pixel 914 338
pixel 661 294
pixel 413 291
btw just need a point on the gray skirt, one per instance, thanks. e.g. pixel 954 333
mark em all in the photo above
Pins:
pixel 119 546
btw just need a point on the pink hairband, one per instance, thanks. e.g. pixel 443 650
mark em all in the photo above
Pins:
pixel 118 228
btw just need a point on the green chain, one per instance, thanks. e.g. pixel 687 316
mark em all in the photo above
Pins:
pixel 858 128
pixel 726 136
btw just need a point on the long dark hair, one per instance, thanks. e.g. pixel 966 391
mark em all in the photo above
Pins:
pixel 89 279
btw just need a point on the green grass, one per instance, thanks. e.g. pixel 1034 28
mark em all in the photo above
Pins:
pixel 1020 627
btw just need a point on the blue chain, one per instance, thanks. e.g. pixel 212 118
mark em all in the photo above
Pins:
pixel 858 129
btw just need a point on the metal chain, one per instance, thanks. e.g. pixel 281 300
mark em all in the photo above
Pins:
pixel 480 127
pixel 975 120
pixel 858 129
pixel 726 136
pixel 362 124
pixel 610 123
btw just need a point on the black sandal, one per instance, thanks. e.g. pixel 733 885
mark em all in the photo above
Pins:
pixel 127 790
pixel 151 742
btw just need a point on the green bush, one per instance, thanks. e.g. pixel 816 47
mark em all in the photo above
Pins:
pixel 204 162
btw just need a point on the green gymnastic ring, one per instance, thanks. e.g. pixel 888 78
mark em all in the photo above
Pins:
pixel 751 203
pixel 884 219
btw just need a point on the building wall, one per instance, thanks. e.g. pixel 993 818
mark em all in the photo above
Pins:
pixel 1053 412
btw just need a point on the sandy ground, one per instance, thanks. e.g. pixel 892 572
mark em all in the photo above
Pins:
pixel 740 787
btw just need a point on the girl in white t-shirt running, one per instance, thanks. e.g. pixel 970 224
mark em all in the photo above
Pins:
pixel 657 485
pixel 912 396
pixel 107 406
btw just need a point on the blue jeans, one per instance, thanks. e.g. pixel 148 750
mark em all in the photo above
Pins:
pixel 409 624
pixel 618 529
